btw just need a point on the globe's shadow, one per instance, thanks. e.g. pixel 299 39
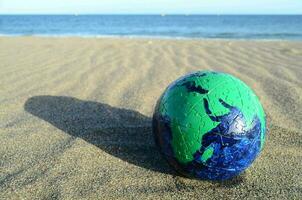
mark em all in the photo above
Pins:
pixel 123 133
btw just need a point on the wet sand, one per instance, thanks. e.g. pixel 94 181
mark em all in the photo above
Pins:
pixel 75 116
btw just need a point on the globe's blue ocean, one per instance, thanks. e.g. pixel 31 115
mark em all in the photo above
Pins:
pixel 288 27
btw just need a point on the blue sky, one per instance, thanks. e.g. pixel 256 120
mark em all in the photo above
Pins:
pixel 151 6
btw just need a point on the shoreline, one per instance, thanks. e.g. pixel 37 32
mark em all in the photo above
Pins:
pixel 135 37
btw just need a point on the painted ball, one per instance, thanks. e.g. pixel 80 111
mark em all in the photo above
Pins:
pixel 209 125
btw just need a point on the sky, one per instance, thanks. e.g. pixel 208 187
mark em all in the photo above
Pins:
pixel 151 6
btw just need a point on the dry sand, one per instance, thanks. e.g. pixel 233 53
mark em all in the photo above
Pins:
pixel 75 117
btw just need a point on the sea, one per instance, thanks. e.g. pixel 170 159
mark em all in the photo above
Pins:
pixel 266 27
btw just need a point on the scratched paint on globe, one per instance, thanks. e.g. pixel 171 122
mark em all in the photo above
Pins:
pixel 205 116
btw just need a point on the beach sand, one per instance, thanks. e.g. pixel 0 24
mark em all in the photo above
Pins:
pixel 75 116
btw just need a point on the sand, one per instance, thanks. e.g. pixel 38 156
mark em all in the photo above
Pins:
pixel 75 117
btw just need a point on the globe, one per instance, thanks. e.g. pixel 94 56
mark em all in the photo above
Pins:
pixel 209 125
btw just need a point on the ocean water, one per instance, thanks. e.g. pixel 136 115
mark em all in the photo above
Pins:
pixel 288 27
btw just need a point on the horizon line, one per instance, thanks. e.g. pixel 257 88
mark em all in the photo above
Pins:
pixel 150 13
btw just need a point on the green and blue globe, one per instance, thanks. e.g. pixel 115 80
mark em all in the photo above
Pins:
pixel 209 125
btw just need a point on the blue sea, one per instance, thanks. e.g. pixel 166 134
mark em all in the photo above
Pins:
pixel 287 27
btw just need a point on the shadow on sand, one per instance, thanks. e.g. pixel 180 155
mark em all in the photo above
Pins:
pixel 123 133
